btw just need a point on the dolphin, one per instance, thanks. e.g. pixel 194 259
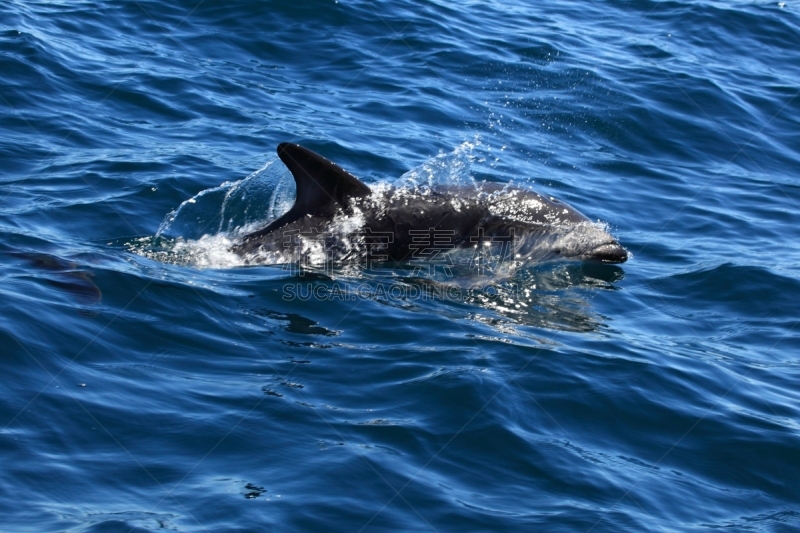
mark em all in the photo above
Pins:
pixel 412 224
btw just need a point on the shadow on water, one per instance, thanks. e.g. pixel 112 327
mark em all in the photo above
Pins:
pixel 66 276
pixel 294 323
pixel 550 296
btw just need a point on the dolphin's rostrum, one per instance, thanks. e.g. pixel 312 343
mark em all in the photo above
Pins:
pixel 400 219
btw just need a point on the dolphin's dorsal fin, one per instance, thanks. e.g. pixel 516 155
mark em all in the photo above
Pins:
pixel 322 186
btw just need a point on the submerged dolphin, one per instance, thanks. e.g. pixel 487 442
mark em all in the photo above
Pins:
pixel 403 222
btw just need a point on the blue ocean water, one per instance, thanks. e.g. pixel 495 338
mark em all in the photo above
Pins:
pixel 150 386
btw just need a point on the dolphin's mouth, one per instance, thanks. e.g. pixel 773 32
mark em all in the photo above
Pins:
pixel 608 253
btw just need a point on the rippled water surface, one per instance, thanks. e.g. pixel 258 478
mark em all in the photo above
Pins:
pixel 152 381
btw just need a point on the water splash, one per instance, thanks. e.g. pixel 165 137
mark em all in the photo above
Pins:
pixel 201 230
pixel 450 169
pixel 232 207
